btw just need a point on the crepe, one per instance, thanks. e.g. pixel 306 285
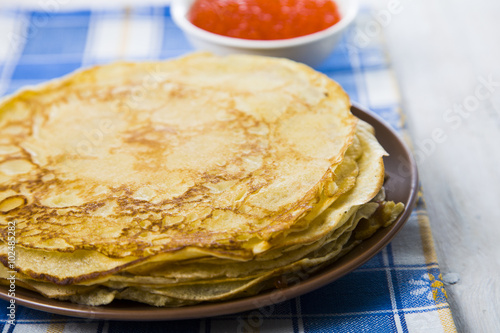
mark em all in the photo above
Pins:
pixel 196 179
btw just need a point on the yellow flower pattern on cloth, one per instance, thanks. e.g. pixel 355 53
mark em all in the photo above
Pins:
pixel 430 285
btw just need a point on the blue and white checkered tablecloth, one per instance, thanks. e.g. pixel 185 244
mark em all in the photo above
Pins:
pixel 399 290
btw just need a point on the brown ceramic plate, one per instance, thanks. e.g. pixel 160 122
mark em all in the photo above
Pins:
pixel 400 186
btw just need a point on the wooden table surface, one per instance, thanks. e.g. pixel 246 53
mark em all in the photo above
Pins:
pixel 446 57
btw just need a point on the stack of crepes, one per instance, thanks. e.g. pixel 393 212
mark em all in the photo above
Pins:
pixel 198 179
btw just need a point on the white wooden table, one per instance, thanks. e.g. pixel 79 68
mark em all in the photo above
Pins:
pixel 446 56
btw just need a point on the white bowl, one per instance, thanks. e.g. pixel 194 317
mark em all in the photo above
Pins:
pixel 310 49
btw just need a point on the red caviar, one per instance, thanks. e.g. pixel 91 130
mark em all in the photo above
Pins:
pixel 264 19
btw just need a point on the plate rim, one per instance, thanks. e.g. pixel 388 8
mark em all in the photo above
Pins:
pixel 319 279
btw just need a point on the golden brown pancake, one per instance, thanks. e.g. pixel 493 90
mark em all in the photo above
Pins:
pixel 151 177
